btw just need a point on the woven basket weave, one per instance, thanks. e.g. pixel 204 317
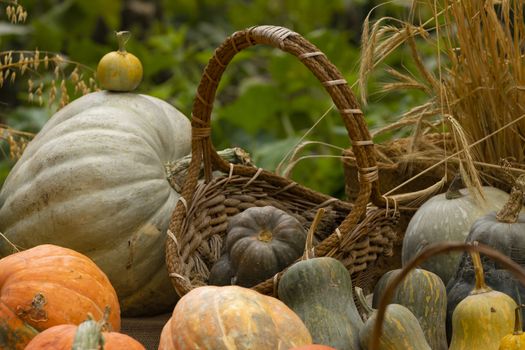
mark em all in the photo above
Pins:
pixel 354 233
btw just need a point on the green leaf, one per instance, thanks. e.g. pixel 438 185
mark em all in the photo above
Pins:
pixel 255 109
pixel 109 10
pixel 269 155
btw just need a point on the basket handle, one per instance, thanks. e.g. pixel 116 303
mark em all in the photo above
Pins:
pixel 313 59
pixel 430 251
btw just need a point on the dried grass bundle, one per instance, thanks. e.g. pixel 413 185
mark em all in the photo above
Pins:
pixel 476 93
pixel 69 78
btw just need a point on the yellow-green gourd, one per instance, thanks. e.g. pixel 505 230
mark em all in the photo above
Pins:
pixel 483 318
pixel 120 70
pixel 516 340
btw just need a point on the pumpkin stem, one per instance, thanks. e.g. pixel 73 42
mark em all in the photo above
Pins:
pixel 518 323
pixel 309 245
pixel 481 286
pixel 453 190
pixel 89 333
pixel 122 38
pixel 104 322
pixel 511 210
pixel 362 301
pixel 265 236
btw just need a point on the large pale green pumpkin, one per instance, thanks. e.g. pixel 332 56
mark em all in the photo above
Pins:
pixel 94 180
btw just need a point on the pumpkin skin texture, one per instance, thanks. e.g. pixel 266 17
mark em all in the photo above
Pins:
pixel 61 337
pixel 93 180
pixel 441 219
pixel 166 339
pixel 476 326
pixel 507 238
pixel 319 290
pixel 516 340
pixel 401 330
pixel 260 242
pixel 49 285
pixel 483 318
pixel 232 317
pixel 513 342
pixel 120 70
pixel 424 294
pixel 14 333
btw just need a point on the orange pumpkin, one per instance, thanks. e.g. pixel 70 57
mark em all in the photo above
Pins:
pixel 14 333
pixel 49 285
pixel 314 347
pixel 211 317
pixel 88 335
pixel 166 338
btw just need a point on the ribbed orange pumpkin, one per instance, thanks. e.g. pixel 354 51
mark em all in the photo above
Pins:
pixel 14 333
pixel 230 317
pixel 62 337
pixel 49 285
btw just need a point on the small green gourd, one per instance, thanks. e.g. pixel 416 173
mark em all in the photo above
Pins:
pixel 401 329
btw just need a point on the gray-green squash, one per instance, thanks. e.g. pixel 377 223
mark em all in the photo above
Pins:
pixel 260 242
pixel 319 290
pixel 447 217
pixel 424 294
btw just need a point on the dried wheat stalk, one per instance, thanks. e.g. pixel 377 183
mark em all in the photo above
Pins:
pixel 476 93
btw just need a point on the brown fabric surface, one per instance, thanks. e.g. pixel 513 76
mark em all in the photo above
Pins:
pixel 146 330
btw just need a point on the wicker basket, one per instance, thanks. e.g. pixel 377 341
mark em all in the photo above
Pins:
pixel 355 233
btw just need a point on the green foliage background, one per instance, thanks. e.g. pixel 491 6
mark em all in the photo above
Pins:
pixel 266 101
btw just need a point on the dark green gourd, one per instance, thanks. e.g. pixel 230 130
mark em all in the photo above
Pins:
pixel 319 290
